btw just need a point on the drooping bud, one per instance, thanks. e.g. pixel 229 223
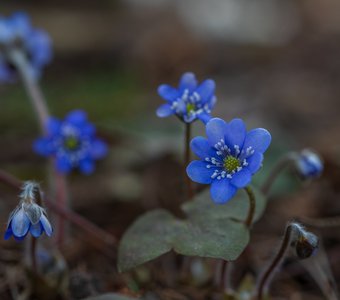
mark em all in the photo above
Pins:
pixel 28 216
pixel 306 245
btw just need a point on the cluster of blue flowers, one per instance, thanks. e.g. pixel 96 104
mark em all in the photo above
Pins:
pixel 28 216
pixel 17 34
pixel 229 156
pixel 72 143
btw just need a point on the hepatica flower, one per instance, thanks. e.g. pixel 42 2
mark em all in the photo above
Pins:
pixel 17 34
pixel 190 101
pixel 229 157
pixel 28 217
pixel 72 143
pixel 309 164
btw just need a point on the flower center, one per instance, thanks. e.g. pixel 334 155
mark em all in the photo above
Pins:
pixel 71 143
pixel 190 107
pixel 231 163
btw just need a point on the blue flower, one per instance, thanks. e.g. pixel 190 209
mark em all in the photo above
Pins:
pixel 17 34
pixel 72 142
pixel 189 101
pixel 229 157
pixel 309 164
pixel 28 216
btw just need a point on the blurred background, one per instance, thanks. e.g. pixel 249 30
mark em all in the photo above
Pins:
pixel 276 65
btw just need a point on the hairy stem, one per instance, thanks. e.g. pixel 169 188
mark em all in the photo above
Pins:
pixel 252 206
pixel 31 86
pixel 39 104
pixel 228 265
pixel 61 197
pixel 34 254
pixel 264 280
pixel 189 188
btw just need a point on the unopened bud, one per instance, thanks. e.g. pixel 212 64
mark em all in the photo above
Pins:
pixel 306 245
pixel 308 164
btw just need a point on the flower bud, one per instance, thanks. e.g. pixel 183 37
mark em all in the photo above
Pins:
pixel 28 216
pixel 308 164
pixel 306 245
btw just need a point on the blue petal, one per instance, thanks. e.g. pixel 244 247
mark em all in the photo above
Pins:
pixel 197 171
pixel 77 117
pixel 259 139
pixel 36 229
pixel 204 117
pixel 164 111
pixel 53 126
pixel 212 101
pixel 8 232
pixel 206 90
pixel 43 146
pixel 63 165
pixel 98 149
pixel 187 82
pixel 87 130
pixel 255 162
pixel 46 225
pixel 222 191
pixel 86 166
pixel 167 92
pixel 215 130
pixel 20 224
pixel 6 33
pixel 241 179
pixel 39 45
pixel 21 23
pixel 201 147
pixel 235 133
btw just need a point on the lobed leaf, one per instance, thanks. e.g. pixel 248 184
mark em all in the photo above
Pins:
pixel 211 230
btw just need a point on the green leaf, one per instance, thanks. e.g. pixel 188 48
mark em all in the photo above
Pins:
pixel 237 208
pixel 215 231
pixel 150 236
pixel 214 238
pixel 110 296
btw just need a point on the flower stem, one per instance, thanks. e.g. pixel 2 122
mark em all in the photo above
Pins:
pixel 252 206
pixel 31 86
pixel 39 104
pixel 282 163
pixel 189 188
pixel 34 254
pixel 223 275
pixel 265 279
pixel 227 277
pixel 61 197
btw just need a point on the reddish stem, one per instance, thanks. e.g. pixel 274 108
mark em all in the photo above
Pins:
pixel 61 197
